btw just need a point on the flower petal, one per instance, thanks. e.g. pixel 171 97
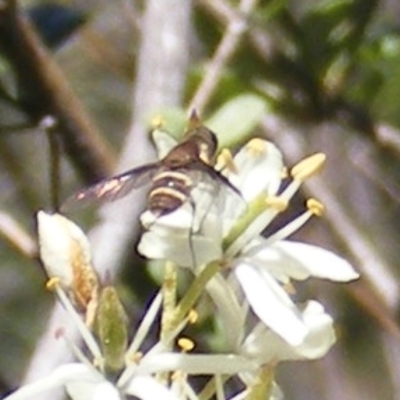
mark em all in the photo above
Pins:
pixel 259 166
pixel 92 389
pixel 271 303
pixel 231 315
pixel 163 141
pixel 173 238
pixel 265 346
pixel 55 243
pixel 147 388
pixel 301 260
pixel 59 378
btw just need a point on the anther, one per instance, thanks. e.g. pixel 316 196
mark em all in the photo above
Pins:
pixel 277 202
pixel 316 207
pixel 308 167
pixel 225 161
pixel 52 283
pixel 289 288
pixel 257 146
pixel 193 316
pixel 157 122
pixel 135 358
pixel 186 344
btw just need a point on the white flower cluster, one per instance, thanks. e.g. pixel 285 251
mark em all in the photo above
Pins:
pixel 250 284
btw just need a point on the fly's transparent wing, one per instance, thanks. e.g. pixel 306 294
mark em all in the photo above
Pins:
pixel 113 188
pixel 200 171
pixel 210 193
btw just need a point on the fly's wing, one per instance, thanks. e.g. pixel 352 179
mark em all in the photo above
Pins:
pixel 223 193
pixel 114 188
pixel 208 172
pixel 209 195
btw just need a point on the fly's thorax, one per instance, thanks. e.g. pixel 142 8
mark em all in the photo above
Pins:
pixel 206 143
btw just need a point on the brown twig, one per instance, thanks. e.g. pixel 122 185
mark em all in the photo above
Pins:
pixel 44 91
pixel 12 232
pixel 235 30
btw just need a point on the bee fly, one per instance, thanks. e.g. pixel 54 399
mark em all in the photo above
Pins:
pixel 172 179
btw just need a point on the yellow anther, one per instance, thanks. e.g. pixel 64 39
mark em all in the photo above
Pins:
pixel 277 202
pixel 225 161
pixel 177 376
pixel 316 207
pixel 186 344
pixel 257 146
pixel 52 283
pixel 135 358
pixel 289 288
pixel 308 167
pixel 193 316
pixel 157 122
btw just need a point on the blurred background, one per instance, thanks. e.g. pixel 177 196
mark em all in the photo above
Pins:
pixel 308 75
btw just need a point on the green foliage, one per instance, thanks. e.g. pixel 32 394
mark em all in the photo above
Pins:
pixel 236 120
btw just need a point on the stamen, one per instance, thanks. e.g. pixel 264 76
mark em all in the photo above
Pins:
pixel 193 316
pixel 77 352
pixel 134 358
pixel 186 344
pixel 316 207
pixel 145 326
pixel 225 161
pixel 308 167
pixel 289 288
pixel 257 146
pixel 177 376
pixel 219 387
pixel 77 320
pixel 157 122
pixel 291 189
pixel 130 370
pixel 53 283
pixel 277 202
pixel 291 227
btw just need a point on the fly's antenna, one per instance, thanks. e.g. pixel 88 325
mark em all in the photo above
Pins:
pixel 194 120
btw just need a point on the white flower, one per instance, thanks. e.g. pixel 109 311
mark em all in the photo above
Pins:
pixel 62 246
pixel 263 267
pixel 263 345
pixel 65 253
pixel 83 381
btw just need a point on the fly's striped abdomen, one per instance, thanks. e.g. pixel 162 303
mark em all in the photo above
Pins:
pixel 170 189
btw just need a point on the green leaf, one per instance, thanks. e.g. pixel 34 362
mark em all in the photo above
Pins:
pixel 171 120
pixel 235 121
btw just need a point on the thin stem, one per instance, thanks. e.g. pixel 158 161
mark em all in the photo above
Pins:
pixel 49 126
pixel 46 92
pixel 14 233
pixel 263 387
pixel 209 389
pixel 195 291
pixel 225 51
